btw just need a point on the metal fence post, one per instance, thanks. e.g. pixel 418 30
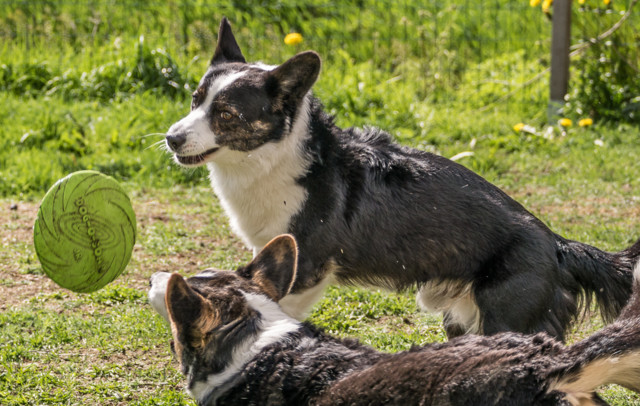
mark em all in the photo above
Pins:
pixel 560 41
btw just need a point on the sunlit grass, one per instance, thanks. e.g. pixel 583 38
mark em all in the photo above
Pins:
pixel 89 88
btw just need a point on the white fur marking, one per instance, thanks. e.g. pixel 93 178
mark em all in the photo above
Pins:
pixel 456 298
pixel 157 293
pixel 200 138
pixel 258 188
pixel 275 326
pixel 298 305
pixel 622 370
pixel 264 66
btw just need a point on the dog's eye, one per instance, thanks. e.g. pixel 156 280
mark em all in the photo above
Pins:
pixel 225 115
pixel 195 99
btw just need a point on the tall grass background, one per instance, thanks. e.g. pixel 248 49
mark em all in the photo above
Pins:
pixel 83 83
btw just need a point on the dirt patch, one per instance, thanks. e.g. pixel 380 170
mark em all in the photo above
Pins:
pixel 17 255
pixel 21 276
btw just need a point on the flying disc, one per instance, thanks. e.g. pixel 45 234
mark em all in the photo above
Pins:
pixel 85 231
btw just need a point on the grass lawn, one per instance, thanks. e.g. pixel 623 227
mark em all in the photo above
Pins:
pixel 110 348
pixel 94 86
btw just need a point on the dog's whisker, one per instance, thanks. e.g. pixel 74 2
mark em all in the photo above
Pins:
pixel 151 135
pixel 159 146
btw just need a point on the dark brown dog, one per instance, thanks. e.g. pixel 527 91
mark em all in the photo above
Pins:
pixel 237 347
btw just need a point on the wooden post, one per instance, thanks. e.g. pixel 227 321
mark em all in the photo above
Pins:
pixel 560 42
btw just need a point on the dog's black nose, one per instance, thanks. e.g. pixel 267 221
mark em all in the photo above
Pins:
pixel 175 141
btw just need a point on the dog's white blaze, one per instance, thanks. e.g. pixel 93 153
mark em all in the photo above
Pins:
pixel 157 293
pixel 454 297
pixel 275 326
pixel 264 66
pixel 200 138
pixel 269 174
pixel 298 305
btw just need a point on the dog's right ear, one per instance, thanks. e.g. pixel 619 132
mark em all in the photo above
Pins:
pixel 274 268
pixel 290 82
pixel 227 49
pixel 189 312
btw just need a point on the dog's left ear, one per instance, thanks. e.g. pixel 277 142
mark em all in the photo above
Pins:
pixel 290 82
pixel 274 268
pixel 227 49
pixel 188 311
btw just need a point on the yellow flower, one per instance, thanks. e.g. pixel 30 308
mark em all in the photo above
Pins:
pixel 585 122
pixel 546 5
pixel 565 122
pixel 518 127
pixel 581 1
pixel 293 38
pixel 606 2
pixel 534 3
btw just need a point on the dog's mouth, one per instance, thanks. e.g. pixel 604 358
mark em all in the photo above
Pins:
pixel 196 159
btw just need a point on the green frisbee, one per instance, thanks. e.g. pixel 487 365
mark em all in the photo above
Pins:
pixel 85 231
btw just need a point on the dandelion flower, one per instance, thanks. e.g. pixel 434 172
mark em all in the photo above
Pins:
pixel 546 6
pixel 606 2
pixel 581 1
pixel 293 38
pixel 565 122
pixel 518 127
pixel 585 122
pixel 534 3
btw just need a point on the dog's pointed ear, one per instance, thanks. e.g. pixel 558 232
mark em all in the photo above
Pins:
pixel 186 308
pixel 227 49
pixel 274 268
pixel 290 82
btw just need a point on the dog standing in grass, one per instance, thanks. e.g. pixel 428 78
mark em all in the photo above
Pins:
pixel 366 210
pixel 237 347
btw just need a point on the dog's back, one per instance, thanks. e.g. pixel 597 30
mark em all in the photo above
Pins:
pixel 505 369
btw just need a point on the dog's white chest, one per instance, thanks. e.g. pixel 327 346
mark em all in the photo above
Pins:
pixel 259 209
pixel 258 189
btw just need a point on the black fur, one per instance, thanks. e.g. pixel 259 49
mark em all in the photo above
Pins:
pixel 505 369
pixel 298 370
pixel 393 216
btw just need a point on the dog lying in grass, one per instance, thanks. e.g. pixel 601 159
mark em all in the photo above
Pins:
pixel 366 210
pixel 236 346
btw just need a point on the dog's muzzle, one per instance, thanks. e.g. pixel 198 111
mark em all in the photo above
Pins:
pixel 157 291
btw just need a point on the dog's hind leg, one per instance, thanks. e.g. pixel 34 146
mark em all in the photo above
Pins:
pixel 528 303
pixel 522 288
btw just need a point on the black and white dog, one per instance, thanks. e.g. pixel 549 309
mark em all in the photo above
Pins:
pixel 366 210
pixel 237 347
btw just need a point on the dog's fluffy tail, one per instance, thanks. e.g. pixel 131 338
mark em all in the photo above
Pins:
pixel 612 355
pixel 607 276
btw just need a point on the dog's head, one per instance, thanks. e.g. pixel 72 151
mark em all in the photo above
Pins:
pixel 238 106
pixel 215 313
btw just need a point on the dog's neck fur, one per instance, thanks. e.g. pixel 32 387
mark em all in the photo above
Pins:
pixel 289 363
pixel 268 173
pixel 313 362
pixel 275 327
